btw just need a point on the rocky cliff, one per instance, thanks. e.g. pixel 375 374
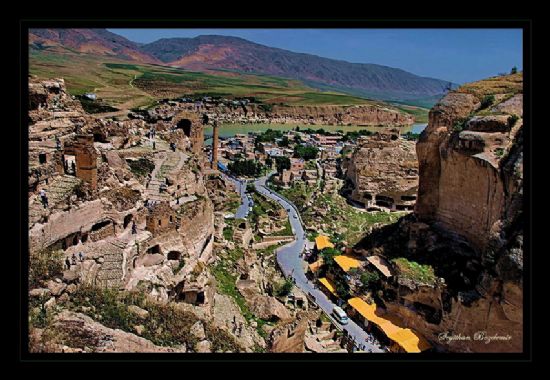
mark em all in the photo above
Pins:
pixel 367 115
pixel 468 223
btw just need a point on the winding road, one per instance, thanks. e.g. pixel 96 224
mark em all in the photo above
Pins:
pixel 242 211
pixel 291 264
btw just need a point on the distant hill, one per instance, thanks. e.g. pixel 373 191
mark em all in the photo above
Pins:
pixel 232 53
pixel 88 41
pixel 215 53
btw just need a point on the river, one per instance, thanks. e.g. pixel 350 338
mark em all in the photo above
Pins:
pixel 230 130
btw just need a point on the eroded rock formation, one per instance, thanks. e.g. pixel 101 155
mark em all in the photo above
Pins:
pixel 383 172
pixel 468 223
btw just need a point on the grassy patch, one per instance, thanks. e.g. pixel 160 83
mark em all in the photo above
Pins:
pixel 166 324
pixel 44 265
pixel 228 233
pixel 414 271
pixel 141 167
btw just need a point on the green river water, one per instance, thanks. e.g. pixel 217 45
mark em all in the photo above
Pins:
pixel 230 130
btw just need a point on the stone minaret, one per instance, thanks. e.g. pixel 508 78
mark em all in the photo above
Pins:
pixel 215 145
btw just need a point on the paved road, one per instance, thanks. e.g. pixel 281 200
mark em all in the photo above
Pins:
pixel 291 264
pixel 242 211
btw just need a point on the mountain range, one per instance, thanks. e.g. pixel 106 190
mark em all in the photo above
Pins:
pixel 210 53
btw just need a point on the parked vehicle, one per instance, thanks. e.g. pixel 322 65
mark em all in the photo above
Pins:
pixel 340 315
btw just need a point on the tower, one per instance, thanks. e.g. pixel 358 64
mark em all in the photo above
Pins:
pixel 86 159
pixel 215 145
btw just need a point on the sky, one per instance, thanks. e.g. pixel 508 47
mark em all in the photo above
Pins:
pixel 457 55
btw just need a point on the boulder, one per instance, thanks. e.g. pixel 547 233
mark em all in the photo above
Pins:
pixel 49 303
pixel 138 311
pixel 203 346
pixel 63 298
pixel 40 292
pixel 70 276
pixel 197 330
pixel 154 259
pixel 56 288
pixel 139 329
pixel 71 288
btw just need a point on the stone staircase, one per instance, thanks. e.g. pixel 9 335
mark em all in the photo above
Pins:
pixel 111 273
pixel 167 162
pixel 59 190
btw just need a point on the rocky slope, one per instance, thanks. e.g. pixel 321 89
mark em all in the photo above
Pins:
pixel 468 223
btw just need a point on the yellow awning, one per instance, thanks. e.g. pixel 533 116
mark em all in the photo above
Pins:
pixel 322 242
pixel 406 338
pixel 329 285
pixel 410 341
pixel 347 262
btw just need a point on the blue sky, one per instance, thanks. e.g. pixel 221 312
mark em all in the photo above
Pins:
pixel 458 55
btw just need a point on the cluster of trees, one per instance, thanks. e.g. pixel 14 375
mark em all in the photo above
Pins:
pixel 306 152
pixel 269 135
pixel 353 135
pixel 248 168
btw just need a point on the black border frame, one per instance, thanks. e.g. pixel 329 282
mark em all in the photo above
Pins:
pixel 25 23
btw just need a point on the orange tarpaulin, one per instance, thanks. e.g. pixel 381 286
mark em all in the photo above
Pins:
pixel 322 242
pixel 347 262
pixel 406 338
pixel 329 285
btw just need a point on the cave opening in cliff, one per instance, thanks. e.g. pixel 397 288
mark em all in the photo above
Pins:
pixel 185 125
pixel 430 314
pixel 127 219
pixel 100 225
pixel 174 255
pixel 408 197
pixel 42 158
pixel 154 249
pixel 384 201
pixel 200 298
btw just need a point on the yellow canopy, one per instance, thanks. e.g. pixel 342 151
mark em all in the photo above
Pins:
pixel 406 338
pixel 329 285
pixel 322 242
pixel 347 262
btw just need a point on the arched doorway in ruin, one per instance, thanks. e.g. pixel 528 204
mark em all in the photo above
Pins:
pixel 185 125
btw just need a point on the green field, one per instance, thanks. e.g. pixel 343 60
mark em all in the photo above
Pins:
pixel 126 85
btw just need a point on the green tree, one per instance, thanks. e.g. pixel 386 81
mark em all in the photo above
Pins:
pixel 269 162
pixel 284 142
pixel 514 70
pixel 285 288
pixel 282 163
pixel 369 277
pixel 487 101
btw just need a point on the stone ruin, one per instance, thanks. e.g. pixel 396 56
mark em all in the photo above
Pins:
pixel 382 173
